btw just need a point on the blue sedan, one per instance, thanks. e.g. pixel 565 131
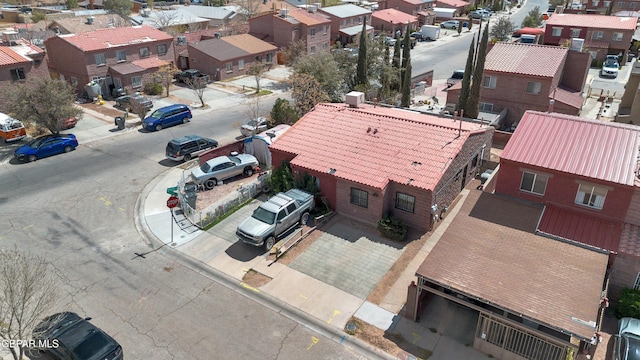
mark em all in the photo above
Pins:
pixel 47 145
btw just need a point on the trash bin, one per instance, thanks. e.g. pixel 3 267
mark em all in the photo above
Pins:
pixel 190 194
pixel 120 122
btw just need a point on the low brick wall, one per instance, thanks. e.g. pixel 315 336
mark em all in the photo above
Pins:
pixel 500 139
pixel 237 146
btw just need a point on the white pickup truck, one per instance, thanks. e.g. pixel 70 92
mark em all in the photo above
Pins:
pixel 274 217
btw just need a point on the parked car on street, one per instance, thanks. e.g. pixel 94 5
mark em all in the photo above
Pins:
pixel 479 14
pixel 254 126
pixel 187 147
pixel 187 75
pixel 167 116
pixel 70 337
pixel 627 341
pixel 455 78
pixel 46 145
pixel 450 24
pixel 131 102
pixel 610 67
pixel 224 167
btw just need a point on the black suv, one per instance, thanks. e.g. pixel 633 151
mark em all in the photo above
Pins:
pixel 74 338
pixel 186 147
pixel 185 75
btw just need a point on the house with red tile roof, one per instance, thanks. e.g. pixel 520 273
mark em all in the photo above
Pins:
pixel 287 26
pixel 585 175
pixel 123 57
pixel 370 161
pixel 603 35
pixel 346 22
pixel 513 83
pixel 230 56
pixel 20 60
pixel 392 21
pixel 419 8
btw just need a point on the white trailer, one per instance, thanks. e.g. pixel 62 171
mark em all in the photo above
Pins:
pixel 430 32
pixel 444 13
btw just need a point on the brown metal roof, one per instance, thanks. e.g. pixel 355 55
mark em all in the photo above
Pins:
pixel 490 252
pixel 594 149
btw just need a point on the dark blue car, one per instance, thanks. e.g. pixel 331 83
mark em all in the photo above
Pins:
pixel 44 146
pixel 167 116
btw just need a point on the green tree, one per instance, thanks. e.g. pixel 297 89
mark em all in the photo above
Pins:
pixel 71 4
pixel 43 102
pixel 533 18
pixel 165 75
pixel 466 79
pixel 257 70
pixel 406 57
pixel 361 70
pixel 405 100
pixel 294 51
pixel 282 113
pixel 307 92
pixel 120 7
pixel 396 55
pixel 474 95
pixel 326 72
pixel 502 29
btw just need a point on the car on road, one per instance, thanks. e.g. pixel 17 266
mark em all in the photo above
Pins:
pixel 187 147
pixel 167 116
pixel 450 24
pixel 627 341
pixel 254 126
pixel 46 145
pixel 479 14
pixel 133 101
pixel 67 336
pixel 224 167
pixel 610 67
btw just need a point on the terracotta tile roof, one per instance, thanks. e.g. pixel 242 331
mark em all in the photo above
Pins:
pixel 374 146
pixel 249 43
pixel 453 3
pixel 10 57
pixel 516 59
pixel 308 18
pixel 394 16
pixel 593 21
pixel 599 150
pixel 585 228
pixel 569 97
pixel 630 240
pixel 489 252
pixel 150 63
pixel 115 37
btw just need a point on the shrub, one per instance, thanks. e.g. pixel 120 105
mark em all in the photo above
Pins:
pixel 393 228
pixel 628 304
pixel 152 88
pixel 283 113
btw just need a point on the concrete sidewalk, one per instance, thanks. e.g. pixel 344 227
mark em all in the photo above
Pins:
pixel 315 301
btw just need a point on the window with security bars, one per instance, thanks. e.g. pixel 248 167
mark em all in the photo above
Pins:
pixel 405 202
pixel 359 197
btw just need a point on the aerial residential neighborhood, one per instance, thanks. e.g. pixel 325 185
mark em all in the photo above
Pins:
pixel 252 179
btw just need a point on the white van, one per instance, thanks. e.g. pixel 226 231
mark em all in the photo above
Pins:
pixel 11 129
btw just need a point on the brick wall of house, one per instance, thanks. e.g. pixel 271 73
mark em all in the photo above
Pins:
pixel 455 178
pixel 510 93
pixel 322 38
pixel 566 108
pixel 614 46
pixel 576 70
pixel 262 25
pixel 562 189
pixel 623 275
pixel 282 32
pixel 633 212
pixel 216 69
pixel 375 202
pixel 420 219
pixel 406 7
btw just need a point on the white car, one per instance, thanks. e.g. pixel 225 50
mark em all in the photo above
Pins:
pixel 610 68
pixel 254 126
pixel 450 24
pixel 224 167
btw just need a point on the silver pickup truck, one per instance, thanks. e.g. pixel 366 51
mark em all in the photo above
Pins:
pixel 274 217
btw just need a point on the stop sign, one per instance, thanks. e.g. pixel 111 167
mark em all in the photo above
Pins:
pixel 172 202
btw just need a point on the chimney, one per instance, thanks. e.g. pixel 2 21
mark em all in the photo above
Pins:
pixel 551 102
pixel 284 13
pixel 311 8
pixel 354 99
